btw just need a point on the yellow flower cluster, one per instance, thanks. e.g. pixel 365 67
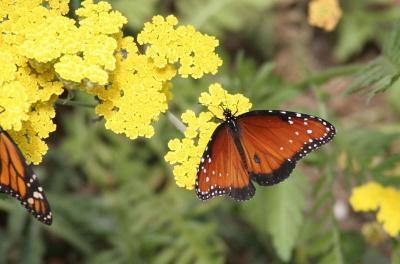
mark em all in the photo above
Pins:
pixel 373 196
pixel 28 90
pixel 139 87
pixel 185 153
pixel 193 50
pixel 324 14
pixel 43 52
pixel 82 52
pixel 137 92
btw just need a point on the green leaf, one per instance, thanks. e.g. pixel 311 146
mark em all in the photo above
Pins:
pixel 335 255
pixel 215 16
pixel 278 211
pixel 383 72
pixel 33 246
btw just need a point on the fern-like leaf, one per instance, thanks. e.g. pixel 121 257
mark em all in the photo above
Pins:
pixel 383 72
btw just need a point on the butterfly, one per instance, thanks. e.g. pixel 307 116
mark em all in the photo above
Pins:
pixel 18 179
pixel 261 146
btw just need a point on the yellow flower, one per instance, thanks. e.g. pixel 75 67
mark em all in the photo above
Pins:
pixel 185 154
pixel 43 52
pixel 14 105
pixel 59 6
pixel 389 213
pixel 100 18
pixel 30 137
pixel 372 196
pixel 136 95
pixel 324 14
pixel 193 50
pixel 365 198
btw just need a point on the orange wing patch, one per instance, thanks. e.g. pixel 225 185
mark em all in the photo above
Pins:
pixel 274 140
pixel 221 171
pixel 18 180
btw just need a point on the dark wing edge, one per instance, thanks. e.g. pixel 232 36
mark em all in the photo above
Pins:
pixel 284 171
pixel 238 194
pixel 34 196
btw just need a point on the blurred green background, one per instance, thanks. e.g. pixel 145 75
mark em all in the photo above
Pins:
pixel 115 200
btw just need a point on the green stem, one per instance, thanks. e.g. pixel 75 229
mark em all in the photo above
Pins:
pixel 395 251
pixel 65 102
pixel 176 122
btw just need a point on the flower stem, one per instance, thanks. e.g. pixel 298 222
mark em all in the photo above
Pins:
pixel 66 102
pixel 176 122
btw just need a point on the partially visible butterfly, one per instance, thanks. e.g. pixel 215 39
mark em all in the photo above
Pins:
pixel 261 146
pixel 18 179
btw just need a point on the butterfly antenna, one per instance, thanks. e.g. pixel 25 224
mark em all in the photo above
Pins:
pixel 226 99
pixel 237 109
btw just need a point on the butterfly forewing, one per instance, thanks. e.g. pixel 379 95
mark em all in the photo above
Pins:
pixel 221 170
pixel 18 179
pixel 274 140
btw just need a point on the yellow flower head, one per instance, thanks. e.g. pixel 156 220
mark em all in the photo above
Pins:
pixel 30 138
pixel 324 14
pixel 136 96
pixel 389 213
pixel 185 153
pixel 167 44
pixel 365 197
pixel 43 52
pixel 372 196
pixel 139 87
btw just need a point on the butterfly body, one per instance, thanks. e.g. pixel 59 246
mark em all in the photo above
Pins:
pixel 261 146
pixel 18 179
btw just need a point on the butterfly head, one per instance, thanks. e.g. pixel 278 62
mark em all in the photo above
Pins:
pixel 228 114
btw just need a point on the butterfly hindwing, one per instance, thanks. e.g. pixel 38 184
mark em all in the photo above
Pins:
pixel 221 171
pixel 274 140
pixel 18 180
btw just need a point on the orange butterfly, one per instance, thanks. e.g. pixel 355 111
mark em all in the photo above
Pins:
pixel 18 179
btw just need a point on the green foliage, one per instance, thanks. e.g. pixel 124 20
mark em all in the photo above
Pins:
pixel 214 16
pixel 361 23
pixel 115 200
pixel 137 12
pixel 278 212
pixel 383 72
